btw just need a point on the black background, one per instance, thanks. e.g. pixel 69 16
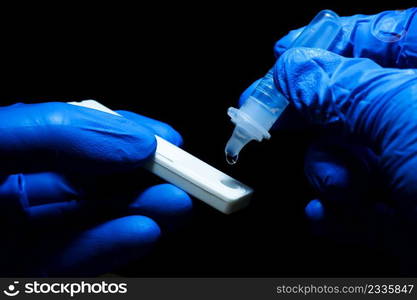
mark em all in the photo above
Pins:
pixel 186 64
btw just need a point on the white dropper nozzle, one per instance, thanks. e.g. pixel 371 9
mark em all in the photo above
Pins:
pixel 253 121
pixel 236 142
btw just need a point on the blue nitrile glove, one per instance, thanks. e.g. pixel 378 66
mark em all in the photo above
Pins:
pixel 73 198
pixel 363 102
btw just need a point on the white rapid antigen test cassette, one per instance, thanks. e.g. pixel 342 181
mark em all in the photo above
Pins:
pixel 191 174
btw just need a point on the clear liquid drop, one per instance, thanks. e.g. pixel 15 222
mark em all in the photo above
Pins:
pixel 231 159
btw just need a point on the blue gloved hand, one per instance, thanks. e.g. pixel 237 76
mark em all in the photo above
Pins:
pixel 362 99
pixel 61 210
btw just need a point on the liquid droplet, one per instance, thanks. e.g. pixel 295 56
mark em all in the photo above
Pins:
pixel 231 159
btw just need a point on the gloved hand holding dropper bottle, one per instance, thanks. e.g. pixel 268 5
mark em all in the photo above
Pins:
pixel 265 104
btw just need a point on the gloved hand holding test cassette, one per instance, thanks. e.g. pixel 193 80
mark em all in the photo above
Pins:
pixel 191 174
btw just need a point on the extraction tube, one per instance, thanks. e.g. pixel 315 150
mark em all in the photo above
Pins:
pixel 264 106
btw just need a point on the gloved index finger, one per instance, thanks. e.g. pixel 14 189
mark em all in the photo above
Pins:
pixel 63 137
pixel 389 38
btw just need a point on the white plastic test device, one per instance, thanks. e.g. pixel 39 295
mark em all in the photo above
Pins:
pixel 190 173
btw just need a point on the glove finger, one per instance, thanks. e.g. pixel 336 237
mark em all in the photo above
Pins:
pixel 21 192
pixel 389 38
pixel 62 222
pixel 63 137
pixel 18 192
pixel 328 89
pixel 48 187
pixel 159 128
pixel 340 173
pixel 75 250
pixel 341 180
pixel 100 249
pixel 165 203
pixel 375 226
pixel 364 101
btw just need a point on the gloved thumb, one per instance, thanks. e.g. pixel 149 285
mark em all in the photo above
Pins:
pixel 376 105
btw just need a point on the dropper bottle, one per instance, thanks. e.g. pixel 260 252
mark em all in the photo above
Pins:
pixel 264 106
